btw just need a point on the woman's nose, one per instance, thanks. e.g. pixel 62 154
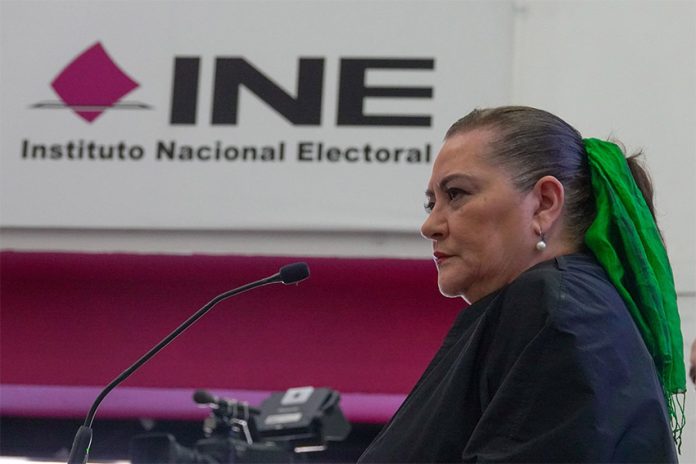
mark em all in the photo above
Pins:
pixel 434 227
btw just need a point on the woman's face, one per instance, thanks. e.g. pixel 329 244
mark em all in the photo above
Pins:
pixel 481 227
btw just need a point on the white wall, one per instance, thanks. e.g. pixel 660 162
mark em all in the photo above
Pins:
pixel 621 68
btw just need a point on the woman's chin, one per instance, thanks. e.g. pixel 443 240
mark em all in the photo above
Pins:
pixel 449 290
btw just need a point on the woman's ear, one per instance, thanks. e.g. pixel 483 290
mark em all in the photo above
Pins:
pixel 551 197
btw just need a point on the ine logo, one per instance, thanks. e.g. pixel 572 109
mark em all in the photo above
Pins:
pixel 91 84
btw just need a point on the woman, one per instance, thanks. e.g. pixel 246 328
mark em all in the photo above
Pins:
pixel 570 350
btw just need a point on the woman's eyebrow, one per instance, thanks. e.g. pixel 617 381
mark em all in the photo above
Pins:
pixel 442 185
pixel 447 179
pixel 457 176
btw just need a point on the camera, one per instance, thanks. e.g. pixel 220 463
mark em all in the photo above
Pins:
pixel 287 425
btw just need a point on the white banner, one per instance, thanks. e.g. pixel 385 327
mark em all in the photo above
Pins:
pixel 312 115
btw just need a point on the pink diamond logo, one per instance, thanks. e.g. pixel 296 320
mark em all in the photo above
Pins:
pixel 92 83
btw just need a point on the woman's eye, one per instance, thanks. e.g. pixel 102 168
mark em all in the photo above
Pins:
pixel 429 205
pixel 454 193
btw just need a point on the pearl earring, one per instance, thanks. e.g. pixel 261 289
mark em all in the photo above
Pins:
pixel 541 244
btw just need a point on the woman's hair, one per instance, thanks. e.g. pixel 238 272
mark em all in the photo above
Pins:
pixel 530 143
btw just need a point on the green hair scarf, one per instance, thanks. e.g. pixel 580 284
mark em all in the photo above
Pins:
pixel 626 241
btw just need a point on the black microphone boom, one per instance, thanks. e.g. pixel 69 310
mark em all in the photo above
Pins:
pixel 289 274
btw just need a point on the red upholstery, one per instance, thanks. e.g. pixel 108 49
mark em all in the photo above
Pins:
pixel 365 326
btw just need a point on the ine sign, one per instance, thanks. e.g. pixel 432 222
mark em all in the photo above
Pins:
pixel 305 108
pixel 329 119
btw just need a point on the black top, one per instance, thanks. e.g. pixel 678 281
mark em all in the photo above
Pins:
pixel 550 368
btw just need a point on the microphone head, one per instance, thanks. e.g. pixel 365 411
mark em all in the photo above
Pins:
pixel 204 397
pixel 293 273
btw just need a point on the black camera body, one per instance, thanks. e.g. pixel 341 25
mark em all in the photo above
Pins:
pixel 161 448
pixel 290 423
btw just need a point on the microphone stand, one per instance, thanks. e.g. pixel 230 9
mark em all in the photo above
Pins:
pixel 83 438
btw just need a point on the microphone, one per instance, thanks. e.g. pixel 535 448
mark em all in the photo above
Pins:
pixel 293 273
pixel 289 274
pixel 205 397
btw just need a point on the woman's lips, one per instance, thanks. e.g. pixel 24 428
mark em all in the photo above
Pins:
pixel 440 257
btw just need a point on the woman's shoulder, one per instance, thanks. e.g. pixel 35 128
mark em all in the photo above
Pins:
pixel 576 267
pixel 569 291
pixel 568 286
